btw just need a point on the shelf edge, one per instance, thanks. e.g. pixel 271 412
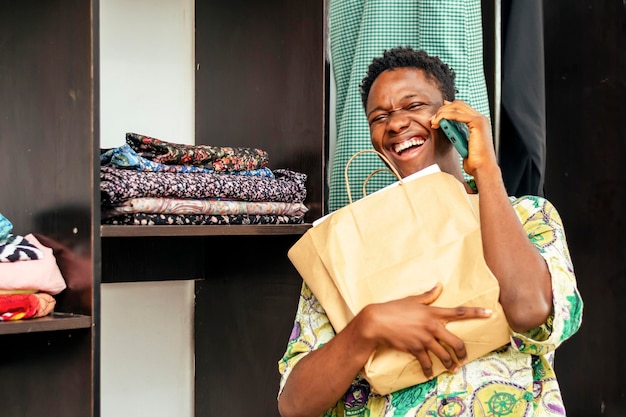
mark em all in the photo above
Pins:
pixel 216 230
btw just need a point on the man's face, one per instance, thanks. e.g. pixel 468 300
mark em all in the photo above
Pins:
pixel 399 107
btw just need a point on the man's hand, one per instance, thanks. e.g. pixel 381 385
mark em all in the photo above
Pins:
pixel 412 325
pixel 481 152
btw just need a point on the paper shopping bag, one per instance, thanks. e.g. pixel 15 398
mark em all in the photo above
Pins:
pixel 398 242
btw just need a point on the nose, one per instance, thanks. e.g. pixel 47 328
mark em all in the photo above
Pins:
pixel 398 120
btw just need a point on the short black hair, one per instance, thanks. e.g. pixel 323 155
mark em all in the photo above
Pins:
pixel 403 57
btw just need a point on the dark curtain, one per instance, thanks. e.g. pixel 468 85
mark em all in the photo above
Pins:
pixel 522 150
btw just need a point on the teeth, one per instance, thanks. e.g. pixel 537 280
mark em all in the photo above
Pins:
pixel 407 144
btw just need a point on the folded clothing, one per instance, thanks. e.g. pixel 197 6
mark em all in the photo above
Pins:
pixel 120 184
pixel 41 275
pixel 160 205
pixel 25 306
pixel 5 228
pixel 16 248
pixel 125 157
pixel 148 219
pixel 216 158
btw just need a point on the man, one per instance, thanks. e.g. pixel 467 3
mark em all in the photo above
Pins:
pixel 406 93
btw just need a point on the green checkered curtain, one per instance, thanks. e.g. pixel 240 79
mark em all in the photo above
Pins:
pixel 359 31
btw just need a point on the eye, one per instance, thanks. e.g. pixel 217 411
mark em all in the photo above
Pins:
pixel 414 106
pixel 378 118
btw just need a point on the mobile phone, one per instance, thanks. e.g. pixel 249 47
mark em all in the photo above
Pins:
pixel 458 133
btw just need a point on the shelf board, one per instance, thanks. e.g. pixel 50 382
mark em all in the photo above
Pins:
pixel 52 322
pixel 216 230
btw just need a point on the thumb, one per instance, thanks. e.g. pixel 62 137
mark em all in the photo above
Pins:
pixel 431 295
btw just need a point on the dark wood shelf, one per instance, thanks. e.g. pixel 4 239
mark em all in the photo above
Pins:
pixel 217 230
pixel 52 322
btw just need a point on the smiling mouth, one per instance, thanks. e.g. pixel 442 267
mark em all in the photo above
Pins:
pixel 408 144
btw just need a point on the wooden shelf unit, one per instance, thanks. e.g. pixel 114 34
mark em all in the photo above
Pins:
pixel 48 150
pixel 50 323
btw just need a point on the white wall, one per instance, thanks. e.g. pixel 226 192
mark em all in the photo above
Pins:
pixel 147 349
pixel 146 70
pixel 147 87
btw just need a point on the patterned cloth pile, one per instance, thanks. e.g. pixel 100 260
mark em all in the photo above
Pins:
pixel 29 275
pixel 149 181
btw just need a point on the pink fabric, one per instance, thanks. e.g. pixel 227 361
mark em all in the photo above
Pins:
pixel 41 275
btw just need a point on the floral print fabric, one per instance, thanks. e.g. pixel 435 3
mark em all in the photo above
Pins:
pixel 125 157
pixel 117 185
pixel 221 207
pixel 515 381
pixel 216 158
pixel 143 219
pixel 148 181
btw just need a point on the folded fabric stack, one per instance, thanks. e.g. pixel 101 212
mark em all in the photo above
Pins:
pixel 148 181
pixel 29 276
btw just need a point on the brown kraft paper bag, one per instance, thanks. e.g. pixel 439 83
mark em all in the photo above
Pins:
pixel 401 241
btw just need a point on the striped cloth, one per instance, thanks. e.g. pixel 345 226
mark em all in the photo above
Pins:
pixel 359 31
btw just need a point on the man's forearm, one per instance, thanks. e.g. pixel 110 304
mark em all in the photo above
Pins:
pixel 323 376
pixel 525 285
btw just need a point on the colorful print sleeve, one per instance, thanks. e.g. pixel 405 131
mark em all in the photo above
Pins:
pixel 311 330
pixel 545 229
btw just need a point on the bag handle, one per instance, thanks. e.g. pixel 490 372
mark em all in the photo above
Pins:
pixel 381 156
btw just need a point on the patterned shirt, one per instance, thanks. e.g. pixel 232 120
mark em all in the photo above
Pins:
pixel 515 381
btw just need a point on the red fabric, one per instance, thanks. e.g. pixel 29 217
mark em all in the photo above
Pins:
pixel 18 306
